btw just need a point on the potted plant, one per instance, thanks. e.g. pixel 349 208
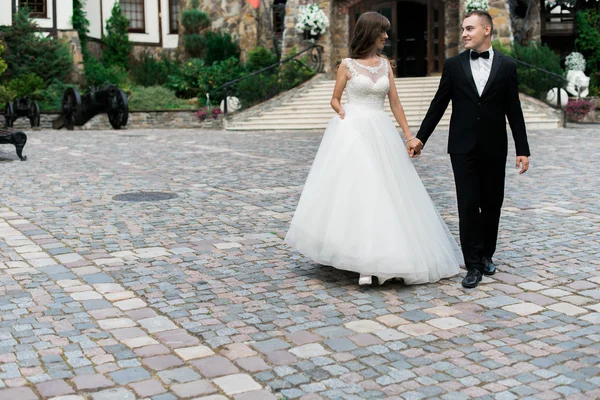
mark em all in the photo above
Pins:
pixel 312 22
pixel 472 5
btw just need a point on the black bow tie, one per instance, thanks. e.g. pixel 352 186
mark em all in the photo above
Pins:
pixel 475 55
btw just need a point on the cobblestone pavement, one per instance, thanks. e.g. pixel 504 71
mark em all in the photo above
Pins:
pixel 198 297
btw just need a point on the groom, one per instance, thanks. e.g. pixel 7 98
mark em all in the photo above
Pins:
pixel 482 85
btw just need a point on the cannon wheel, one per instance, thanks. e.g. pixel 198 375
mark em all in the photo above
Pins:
pixel 71 108
pixel 34 114
pixel 8 115
pixel 118 108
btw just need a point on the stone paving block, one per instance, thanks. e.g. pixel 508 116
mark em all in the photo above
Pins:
pixel 157 324
pixel 159 363
pixel 252 364
pixel 235 384
pixel 112 394
pixel 255 395
pixel 524 308
pixel 20 393
pixel 214 366
pixel 54 388
pixel 125 376
pixel 566 308
pixel 191 389
pixel 93 381
pixel 148 388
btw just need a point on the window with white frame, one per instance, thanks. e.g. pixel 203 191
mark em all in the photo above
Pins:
pixel 135 13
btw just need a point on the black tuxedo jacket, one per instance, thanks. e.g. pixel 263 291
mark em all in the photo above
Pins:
pixel 478 119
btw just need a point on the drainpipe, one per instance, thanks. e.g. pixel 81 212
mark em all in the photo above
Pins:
pixel 54 17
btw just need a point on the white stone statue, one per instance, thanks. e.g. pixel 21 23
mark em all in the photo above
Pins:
pixel 552 97
pixel 578 83
pixel 233 104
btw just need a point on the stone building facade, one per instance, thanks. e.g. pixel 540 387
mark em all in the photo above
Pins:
pixel 430 27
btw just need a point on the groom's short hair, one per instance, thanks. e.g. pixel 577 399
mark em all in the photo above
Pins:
pixel 482 14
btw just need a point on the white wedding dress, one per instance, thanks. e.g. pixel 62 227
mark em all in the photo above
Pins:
pixel 363 207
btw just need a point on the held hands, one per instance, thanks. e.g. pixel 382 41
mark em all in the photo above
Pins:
pixel 523 163
pixel 414 147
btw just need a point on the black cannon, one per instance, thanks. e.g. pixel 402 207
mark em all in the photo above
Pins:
pixel 22 107
pixel 18 139
pixel 77 110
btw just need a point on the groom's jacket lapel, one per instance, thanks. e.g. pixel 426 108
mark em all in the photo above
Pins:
pixel 496 62
pixel 466 64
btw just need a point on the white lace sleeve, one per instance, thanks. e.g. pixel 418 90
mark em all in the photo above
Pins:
pixel 350 64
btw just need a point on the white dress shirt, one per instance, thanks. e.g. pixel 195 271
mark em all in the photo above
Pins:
pixel 481 70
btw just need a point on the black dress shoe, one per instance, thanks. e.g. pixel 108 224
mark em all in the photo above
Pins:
pixel 488 266
pixel 472 279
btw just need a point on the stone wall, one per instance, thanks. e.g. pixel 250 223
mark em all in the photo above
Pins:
pixel 500 12
pixel 238 18
pixel 137 120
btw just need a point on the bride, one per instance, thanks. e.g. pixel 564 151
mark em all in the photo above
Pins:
pixel 363 207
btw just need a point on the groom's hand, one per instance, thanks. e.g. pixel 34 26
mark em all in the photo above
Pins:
pixel 523 163
pixel 414 147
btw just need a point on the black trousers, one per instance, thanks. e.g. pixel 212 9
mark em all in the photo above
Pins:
pixel 479 180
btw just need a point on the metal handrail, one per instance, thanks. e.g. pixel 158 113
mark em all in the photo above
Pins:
pixel 552 74
pixel 225 87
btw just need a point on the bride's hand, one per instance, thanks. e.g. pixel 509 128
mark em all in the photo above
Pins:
pixel 342 114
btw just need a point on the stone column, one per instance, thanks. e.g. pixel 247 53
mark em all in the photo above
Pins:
pixel 500 12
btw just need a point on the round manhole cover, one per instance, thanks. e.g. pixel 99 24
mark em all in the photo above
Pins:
pixel 145 196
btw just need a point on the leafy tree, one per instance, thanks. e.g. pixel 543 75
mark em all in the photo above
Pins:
pixel 118 47
pixel 27 52
pixel 81 24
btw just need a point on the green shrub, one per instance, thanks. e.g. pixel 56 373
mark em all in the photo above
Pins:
pixel 50 98
pixel 184 82
pixel 3 65
pixel 118 47
pixel 26 85
pixel 96 74
pixel 216 75
pixel 588 43
pixel 5 96
pixel 531 81
pixel 194 23
pixel 259 58
pixel 219 46
pixel 147 70
pixel 506 50
pixel 27 52
pixel 156 98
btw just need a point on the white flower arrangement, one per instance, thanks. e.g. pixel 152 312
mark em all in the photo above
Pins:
pixel 575 62
pixel 472 5
pixel 313 19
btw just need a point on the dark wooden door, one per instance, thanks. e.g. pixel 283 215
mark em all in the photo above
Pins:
pixel 412 39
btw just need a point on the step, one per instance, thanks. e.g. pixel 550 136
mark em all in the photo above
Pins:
pixel 312 110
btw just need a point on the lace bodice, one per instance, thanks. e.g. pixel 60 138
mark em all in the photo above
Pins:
pixel 368 86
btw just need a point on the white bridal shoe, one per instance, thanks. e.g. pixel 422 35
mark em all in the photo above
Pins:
pixel 365 280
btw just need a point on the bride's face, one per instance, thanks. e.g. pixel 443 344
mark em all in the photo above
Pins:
pixel 380 43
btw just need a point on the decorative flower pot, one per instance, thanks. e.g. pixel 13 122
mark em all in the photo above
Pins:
pixel 309 36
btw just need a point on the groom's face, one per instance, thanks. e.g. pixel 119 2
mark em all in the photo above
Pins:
pixel 475 33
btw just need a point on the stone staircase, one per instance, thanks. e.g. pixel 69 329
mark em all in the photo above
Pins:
pixel 309 109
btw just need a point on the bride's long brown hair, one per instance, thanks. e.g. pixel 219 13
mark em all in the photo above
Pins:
pixel 369 27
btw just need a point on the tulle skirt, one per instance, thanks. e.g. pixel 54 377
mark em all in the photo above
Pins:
pixel 364 208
